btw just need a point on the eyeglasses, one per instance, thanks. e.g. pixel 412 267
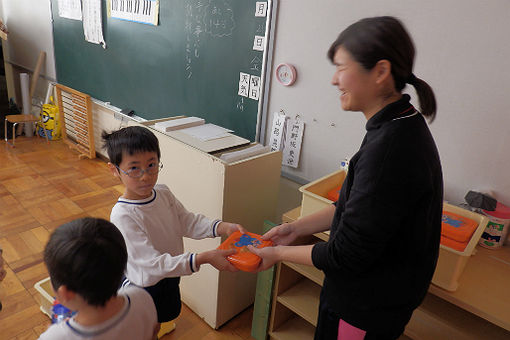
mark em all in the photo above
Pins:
pixel 136 172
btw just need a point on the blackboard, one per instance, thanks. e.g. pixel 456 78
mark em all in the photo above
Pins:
pixel 189 64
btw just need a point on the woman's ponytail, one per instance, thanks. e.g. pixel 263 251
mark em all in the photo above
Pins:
pixel 426 97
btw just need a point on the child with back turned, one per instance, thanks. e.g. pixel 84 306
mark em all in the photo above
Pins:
pixel 86 259
pixel 154 222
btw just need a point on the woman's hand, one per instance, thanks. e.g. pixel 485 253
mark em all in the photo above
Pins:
pixel 269 256
pixel 282 235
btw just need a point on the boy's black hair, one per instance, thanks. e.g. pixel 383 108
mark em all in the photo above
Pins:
pixel 88 256
pixel 130 140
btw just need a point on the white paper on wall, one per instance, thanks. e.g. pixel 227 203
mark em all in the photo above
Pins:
pixel 276 141
pixel 143 11
pixel 244 84
pixel 70 9
pixel 258 43
pixel 254 87
pixel 293 141
pixel 93 22
pixel 260 9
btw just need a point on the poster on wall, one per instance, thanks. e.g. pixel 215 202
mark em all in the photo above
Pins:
pixel 142 11
pixel 70 9
pixel 93 22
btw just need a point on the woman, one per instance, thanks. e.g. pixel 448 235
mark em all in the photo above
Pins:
pixel 386 225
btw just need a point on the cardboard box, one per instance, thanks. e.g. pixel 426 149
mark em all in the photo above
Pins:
pixel 451 262
pixel 314 193
pixel 45 295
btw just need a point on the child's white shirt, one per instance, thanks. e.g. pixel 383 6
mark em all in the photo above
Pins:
pixel 135 321
pixel 153 229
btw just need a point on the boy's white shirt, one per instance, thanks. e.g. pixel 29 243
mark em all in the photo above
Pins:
pixel 135 321
pixel 153 229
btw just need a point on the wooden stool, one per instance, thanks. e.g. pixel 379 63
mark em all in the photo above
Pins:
pixel 15 120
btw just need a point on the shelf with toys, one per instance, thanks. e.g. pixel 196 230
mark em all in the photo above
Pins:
pixel 477 309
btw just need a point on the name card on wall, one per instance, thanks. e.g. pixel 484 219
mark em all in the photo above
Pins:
pixel 293 141
pixel 278 131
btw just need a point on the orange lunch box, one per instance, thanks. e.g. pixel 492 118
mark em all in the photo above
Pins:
pixel 448 242
pixel 244 260
pixel 457 228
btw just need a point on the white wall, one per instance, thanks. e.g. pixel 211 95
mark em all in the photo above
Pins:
pixel 30 31
pixel 463 52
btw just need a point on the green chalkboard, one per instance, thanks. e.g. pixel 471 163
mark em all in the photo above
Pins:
pixel 189 64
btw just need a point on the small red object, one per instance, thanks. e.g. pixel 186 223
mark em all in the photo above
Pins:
pixel 243 259
pixel 334 193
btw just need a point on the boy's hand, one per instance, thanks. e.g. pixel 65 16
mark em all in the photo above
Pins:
pixel 218 259
pixel 227 228
pixel 281 235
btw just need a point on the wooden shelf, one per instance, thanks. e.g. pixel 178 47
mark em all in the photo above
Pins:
pixel 322 235
pixel 484 286
pixel 294 328
pixel 302 299
pixel 296 294
pixel 310 272
pixel 439 319
pixel 291 215
pixel 478 309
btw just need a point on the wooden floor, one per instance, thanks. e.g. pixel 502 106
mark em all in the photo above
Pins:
pixel 41 187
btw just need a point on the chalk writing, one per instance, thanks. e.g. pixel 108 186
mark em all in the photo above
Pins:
pixel 256 64
pixel 218 18
pixel 240 104
pixel 193 26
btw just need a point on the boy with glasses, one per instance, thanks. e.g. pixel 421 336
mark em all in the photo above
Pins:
pixel 154 222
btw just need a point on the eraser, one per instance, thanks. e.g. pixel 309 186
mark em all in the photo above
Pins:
pixel 127 111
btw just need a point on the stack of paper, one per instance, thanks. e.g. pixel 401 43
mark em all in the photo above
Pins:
pixel 254 150
pixel 207 132
pixel 179 123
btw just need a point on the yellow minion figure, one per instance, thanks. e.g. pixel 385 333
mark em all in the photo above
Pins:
pixel 50 123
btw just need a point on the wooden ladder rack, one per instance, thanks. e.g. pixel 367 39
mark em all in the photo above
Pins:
pixel 75 114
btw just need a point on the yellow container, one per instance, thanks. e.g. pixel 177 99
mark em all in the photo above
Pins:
pixel 45 295
pixel 451 263
pixel 314 193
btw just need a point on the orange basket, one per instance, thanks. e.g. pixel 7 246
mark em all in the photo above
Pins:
pixel 244 260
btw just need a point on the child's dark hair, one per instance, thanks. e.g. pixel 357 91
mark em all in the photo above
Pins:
pixel 88 256
pixel 130 140
pixel 384 38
